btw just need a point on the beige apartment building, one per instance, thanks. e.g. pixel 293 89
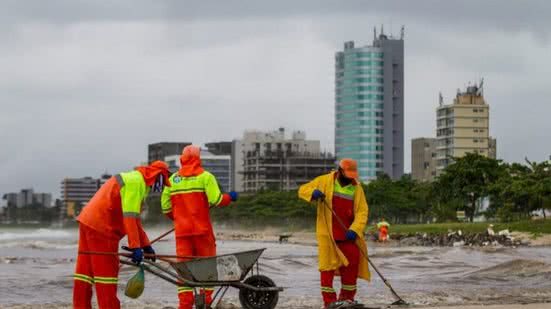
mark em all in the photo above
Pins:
pixel 461 127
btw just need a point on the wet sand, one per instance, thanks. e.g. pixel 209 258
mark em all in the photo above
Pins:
pixel 529 306
pixel 36 268
pixel 517 306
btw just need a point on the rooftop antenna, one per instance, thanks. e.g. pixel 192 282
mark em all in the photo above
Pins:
pixel 374 33
pixel 402 30
pixel 382 30
pixel 481 87
pixel 440 98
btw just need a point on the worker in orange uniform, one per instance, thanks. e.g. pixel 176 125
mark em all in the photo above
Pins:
pixel 382 227
pixel 338 251
pixel 112 213
pixel 187 203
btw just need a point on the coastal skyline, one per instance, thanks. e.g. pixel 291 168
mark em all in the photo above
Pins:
pixel 88 86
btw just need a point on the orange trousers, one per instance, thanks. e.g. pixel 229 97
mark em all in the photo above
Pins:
pixel 99 270
pixel 349 275
pixel 200 245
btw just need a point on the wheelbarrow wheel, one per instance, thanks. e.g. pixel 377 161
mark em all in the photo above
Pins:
pixel 250 299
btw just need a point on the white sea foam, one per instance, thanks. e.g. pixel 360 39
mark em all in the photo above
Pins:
pixel 36 235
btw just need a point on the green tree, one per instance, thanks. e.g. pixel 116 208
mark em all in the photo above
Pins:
pixel 469 179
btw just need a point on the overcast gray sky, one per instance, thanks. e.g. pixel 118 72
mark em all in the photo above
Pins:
pixel 86 85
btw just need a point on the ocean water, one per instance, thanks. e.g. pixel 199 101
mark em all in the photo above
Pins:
pixel 36 267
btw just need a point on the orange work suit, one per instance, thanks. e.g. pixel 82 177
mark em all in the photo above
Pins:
pixel 110 215
pixel 187 203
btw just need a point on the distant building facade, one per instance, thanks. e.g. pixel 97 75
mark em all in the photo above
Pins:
pixel 271 161
pixel 220 148
pixel 461 127
pixel 423 158
pixel 27 197
pixel 369 106
pixel 76 192
pixel 218 165
pixel 159 151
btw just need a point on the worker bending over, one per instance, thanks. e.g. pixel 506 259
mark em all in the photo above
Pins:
pixel 112 213
pixel 339 192
pixel 187 203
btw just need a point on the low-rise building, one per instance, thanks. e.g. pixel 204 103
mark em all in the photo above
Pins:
pixel 271 161
pixel 76 192
pixel 423 158
pixel 27 197
pixel 159 151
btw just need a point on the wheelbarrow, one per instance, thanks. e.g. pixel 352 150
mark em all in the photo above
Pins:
pixel 256 291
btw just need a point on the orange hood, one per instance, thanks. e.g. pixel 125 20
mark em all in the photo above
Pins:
pixel 151 172
pixel 190 161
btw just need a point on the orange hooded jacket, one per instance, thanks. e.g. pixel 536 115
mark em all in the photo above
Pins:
pixel 115 209
pixel 193 191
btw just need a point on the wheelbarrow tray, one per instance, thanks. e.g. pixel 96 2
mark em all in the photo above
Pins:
pixel 222 268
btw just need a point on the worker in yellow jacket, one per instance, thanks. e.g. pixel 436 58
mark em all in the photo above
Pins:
pixel 338 251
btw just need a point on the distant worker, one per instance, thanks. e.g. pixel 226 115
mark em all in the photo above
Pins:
pixel 339 192
pixel 382 228
pixel 112 213
pixel 187 203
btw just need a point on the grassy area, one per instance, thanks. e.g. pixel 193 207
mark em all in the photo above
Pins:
pixel 534 227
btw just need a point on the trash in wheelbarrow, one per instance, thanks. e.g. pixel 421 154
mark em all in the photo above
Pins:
pixel 227 267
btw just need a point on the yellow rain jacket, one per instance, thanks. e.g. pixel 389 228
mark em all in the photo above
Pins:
pixel 330 256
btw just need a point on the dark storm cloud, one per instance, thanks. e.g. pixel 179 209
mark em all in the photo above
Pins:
pixel 88 84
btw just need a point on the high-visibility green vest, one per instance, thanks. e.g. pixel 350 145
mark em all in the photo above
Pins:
pixel 202 183
pixel 133 192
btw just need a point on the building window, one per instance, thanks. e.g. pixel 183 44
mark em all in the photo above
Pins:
pixel 475 120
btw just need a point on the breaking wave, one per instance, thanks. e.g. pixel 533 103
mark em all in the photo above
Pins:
pixel 515 268
pixel 37 234
pixel 39 239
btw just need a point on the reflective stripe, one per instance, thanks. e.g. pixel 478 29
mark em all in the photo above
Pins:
pixel 344 192
pixel 218 200
pixel 348 287
pixel 327 290
pixel 344 196
pixel 106 280
pixel 187 190
pixel 208 289
pixel 84 278
pixel 184 289
pixel 119 179
pixel 203 183
pixel 131 214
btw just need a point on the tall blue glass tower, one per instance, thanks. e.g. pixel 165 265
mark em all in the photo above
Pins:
pixel 369 106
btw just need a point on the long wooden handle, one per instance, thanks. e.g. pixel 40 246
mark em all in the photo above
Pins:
pixel 162 236
pixel 160 256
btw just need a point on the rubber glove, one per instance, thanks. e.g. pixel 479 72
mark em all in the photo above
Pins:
pixel 137 255
pixel 233 195
pixel 317 194
pixel 351 235
pixel 149 250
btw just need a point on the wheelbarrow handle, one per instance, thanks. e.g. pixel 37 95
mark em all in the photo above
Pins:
pixel 168 258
